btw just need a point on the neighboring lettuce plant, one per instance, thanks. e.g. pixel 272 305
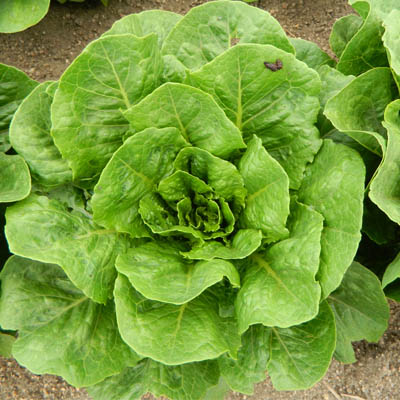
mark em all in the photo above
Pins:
pixel 367 111
pixel 18 15
pixel 188 228
pixel 15 181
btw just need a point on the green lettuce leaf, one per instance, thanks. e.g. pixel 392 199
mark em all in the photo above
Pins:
pixel 310 53
pixel 159 272
pixel 360 308
pixel 18 15
pixel 357 110
pixel 343 31
pixel 279 286
pixel 174 334
pixel 197 116
pixel 134 171
pixel 251 364
pixel 385 187
pixel 334 186
pixel 67 334
pixel 15 85
pixel 212 28
pixel 391 43
pixel 267 203
pixel 142 24
pixel 300 355
pixel 15 180
pixel 181 382
pixel 280 107
pixel 6 343
pixel 111 74
pixel 45 230
pixel 30 137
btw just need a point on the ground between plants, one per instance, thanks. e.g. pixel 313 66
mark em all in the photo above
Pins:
pixel 45 50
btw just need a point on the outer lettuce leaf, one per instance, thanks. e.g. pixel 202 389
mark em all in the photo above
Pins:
pixel 251 364
pixel 111 74
pixel 334 186
pixel 279 287
pixel 385 187
pixel 181 382
pixel 6 343
pixel 391 42
pixel 15 180
pixel 193 112
pixel 174 334
pixel 358 108
pixel 333 82
pixel 134 171
pixel 15 85
pixel 159 272
pixel 343 31
pixel 310 53
pixel 67 334
pixel 364 50
pixel 360 308
pixel 389 280
pixel 18 15
pixel 300 355
pixel 30 137
pixel 212 28
pixel 142 24
pixel 280 107
pixel 267 203
pixel 43 229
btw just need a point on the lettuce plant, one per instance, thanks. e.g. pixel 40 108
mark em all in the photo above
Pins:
pixel 188 228
pixel 18 15
pixel 366 110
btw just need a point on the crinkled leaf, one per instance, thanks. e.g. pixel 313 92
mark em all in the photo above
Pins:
pixel 279 286
pixel 392 43
pixel 385 187
pixel 110 75
pixel 361 310
pixel 358 108
pixel 44 230
pixel 30 137
pixel 280 107
pixel 300 355
pixel 212 28
pixel 134 171
pixel 15 180
pixel 67 334
pixel 142 24
pixel 6 343
pixel 15 85
pixel 159 272
pixel 193 112
pixel 342 32
pixel 251 364
pixel 334 186
pixel 18 15
pixel 267 184
pixel 243 243
pixel 181 382
pixel 221 175
pixel 174 334
pixel 310 53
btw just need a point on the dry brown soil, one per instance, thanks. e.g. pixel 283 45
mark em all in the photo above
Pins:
pixel 45 50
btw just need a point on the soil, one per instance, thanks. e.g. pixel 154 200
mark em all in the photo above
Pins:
pixel 45 50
